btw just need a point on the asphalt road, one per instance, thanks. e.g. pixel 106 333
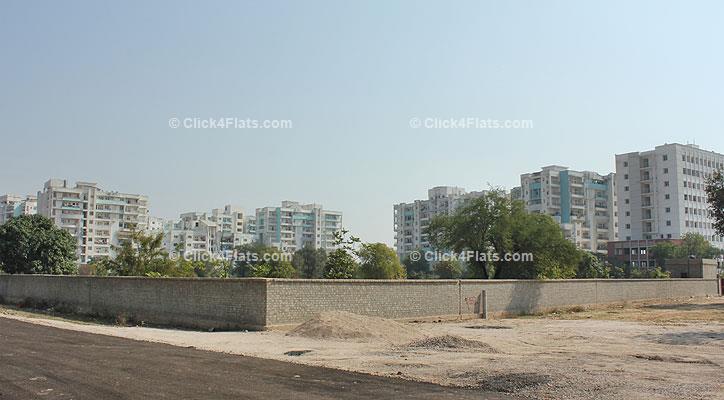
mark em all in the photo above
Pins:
pixel 49 363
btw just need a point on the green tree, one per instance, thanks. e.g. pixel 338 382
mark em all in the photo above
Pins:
pixel 340 265
pixel 309 262
pixel 447 269
pixel 379 261
pixel 493 226
pixel 143 255
pixel 715 197
pixel 591 267
pixel 257 260
pixel 32 244
pixel 418 268
pixel 696 245
pixel 663 251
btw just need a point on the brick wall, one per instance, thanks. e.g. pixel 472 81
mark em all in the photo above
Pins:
pixel 261 303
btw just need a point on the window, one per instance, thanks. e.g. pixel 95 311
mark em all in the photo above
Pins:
pixel 666 183
pixel 666 157
pixel 625 176
pixel 668 209
pixel 666 170
pixel 667 196
pixel 628 226
pixel 625 163
pixel 625 188
pixel 668 223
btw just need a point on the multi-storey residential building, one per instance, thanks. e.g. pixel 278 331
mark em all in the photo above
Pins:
pixel 412 219
pixel 582 202
pixel 98 219
pixel 216 233
pixel 294 225
pixel 662 192
pixel 14 206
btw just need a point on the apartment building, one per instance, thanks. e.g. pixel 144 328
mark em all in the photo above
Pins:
pixel 216 233
pixel 98 219
pixel 14 206
pixel 582 202
pixel 294 225
pixel 662 192
pixel 412 219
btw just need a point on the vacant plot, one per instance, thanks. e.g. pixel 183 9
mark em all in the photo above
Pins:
pixel 662 350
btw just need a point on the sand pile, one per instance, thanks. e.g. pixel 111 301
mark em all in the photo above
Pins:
pixel 450 342
pixel 348 326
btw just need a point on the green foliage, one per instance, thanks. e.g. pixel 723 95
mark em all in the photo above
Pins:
pixel 694 244
pixel 449 269
pixel 417 269
pixel 340 265
pixel 143 255
pixel 259 261
pixel 591 267
pixel 663 251
pixel 715 197
pixel 493 224
pixel 309 262
pixel 653 273
pixel 379 261
pixel 32 244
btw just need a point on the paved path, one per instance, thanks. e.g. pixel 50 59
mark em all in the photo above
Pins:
pixel 50 363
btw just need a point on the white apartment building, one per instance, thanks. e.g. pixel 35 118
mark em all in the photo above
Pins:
pixel 216 233
pixel 662 192
pixel 294 225
pixel 412 219
pixel 582 202
pixel 14 206
pixel 98 219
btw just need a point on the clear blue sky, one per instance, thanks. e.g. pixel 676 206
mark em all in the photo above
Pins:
pixel 87 88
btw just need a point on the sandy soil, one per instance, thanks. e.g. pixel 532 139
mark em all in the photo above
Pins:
pixel 669 350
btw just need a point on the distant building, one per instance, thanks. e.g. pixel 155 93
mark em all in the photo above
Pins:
pixel 98 219
pixel 636 252
pixel 216 233
pixel 14 206
pixel 412 219
pixel 294 225
pixel 582 202
pixel 662 193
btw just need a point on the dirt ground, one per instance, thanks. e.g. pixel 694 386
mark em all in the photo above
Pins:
pixel 644 350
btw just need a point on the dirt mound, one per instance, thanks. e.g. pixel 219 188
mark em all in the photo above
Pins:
pixel 450 342
pixel 348 326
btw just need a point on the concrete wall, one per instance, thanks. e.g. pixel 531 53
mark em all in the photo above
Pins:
pixel 262 303
pixel 691 268
pixel 193 303
pixel 294 301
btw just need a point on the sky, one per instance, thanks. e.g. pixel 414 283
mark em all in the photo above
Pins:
pixel 87 90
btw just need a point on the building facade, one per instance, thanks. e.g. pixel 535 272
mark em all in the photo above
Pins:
pixel 98 219
pixel 582 202
pixel 14 206
pixel 294 225
pixel 412 219
pixel 662 193
pixel 198 234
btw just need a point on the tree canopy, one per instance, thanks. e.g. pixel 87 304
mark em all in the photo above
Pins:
pixel 715 197
pixel 32 244
pixel 379 261
pixel 493 224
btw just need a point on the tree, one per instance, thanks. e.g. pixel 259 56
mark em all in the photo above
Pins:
pixel 257 260
pixel 379 261
pixel 591 267
pixel 340 265
pixel 418 268
pixel 696 245
pixel 715 197
pixel 448 269
pixel 493 226
pixel 143 255
pixel 32 244
pixel 663 251
pixel 341 262
pixel 309 262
